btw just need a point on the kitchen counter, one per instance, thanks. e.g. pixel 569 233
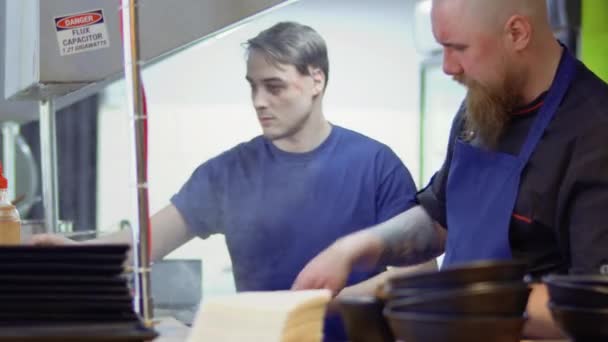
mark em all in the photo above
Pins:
pixel 171 330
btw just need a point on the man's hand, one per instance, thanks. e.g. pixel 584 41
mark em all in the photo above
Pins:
pixel 331 268
pixel 540 323
pixel 328 270
pixel 50 240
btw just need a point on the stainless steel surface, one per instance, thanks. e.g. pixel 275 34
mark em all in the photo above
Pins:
pixel 10 132
pixel 32 227
pixel 48 159
pixel 171 330
pixel 28 33
pixel 18 111
pixel 28 181
pixel 141 230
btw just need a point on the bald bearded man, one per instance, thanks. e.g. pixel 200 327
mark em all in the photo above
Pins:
pixel 526 169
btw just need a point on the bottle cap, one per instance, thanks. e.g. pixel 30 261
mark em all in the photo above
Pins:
pixel 3 181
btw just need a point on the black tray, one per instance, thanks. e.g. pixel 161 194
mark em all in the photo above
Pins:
pixel 62 298
pixel 71 280
pixel 79 332
pixel 74 258
pixel 21 307
pixel 110 249
pixel 60 269
pixel 42 318
pixel 80 290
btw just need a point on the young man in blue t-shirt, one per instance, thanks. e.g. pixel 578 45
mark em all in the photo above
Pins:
pixel 284 196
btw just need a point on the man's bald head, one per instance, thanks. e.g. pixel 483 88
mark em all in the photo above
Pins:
pixel 494 48
pixel 492 15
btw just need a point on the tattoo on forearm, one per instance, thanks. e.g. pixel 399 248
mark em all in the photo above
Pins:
pixel 411 239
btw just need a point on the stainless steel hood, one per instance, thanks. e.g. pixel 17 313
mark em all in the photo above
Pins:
pixel 37 62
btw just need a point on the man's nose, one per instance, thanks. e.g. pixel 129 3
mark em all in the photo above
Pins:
pixel 259 100
pixel 451 66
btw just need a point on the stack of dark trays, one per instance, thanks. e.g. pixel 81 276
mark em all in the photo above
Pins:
pixel 477 302
pixel 67 293
pixel 579 304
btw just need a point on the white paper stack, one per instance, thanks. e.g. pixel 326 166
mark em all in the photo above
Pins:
pixel 278 316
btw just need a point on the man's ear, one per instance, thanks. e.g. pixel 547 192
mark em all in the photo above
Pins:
pixel 318 78
pixel 518 31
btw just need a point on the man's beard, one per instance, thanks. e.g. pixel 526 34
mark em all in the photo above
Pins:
pixel 489 108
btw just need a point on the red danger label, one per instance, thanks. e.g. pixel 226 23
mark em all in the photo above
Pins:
pixel 81 32
pixel 79 20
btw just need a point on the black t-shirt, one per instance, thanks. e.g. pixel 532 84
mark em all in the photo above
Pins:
pixel 560 220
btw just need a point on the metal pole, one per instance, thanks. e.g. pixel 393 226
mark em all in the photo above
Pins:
pixel 48 159
pixel 10 131
pixel 141 238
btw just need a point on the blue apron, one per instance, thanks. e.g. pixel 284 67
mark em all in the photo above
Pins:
pixel 483 185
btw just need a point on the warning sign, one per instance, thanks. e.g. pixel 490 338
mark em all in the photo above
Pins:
pixel 81 32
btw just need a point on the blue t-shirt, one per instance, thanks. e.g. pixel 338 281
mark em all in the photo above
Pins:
pixel 278 210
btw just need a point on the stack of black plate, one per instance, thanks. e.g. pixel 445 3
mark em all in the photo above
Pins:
pixel 579 304
pixel 482 301
pixel 67 293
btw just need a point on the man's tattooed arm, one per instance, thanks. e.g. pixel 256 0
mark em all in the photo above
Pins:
pixel 409 238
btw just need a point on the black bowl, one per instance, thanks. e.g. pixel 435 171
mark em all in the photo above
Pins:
pixel 480 299
pixel 401 293
pixel 414 327
pixel 582 325
pixel 577 295
pixel 461 275
pixel 364 320
pixel 588 280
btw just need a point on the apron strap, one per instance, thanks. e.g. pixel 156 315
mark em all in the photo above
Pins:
pixel 561 84
pixel 565 75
